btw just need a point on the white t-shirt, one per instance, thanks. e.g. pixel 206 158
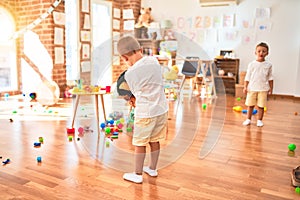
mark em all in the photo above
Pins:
pixel 259 74
pixel 145 81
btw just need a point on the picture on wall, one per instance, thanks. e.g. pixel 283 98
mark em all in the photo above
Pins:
pixel 85 51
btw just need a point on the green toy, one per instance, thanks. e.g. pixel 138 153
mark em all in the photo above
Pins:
pixel 107 130
pixel 107 144
pixel 204 106
pixel 297 190
pixel 292 147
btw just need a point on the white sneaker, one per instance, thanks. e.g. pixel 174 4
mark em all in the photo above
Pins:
pixel 150 172
pixel 247 122
pixel 259 123
pixel 133 177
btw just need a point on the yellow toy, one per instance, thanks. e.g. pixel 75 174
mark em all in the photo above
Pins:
pixel 175 68
pixel 171 75
pixel 237 108
pixel 145 18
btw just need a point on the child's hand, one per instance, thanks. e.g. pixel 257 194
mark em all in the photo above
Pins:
pixel 270 92
pixel 132 101
pixel 245 90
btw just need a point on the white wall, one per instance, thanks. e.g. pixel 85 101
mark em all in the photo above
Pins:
pixel 283 37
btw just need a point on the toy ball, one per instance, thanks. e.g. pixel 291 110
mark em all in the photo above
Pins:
pixel 265 109
pixel 204 106
pixel 107 130
pixel 292 147
pixel 70 138
pixel 122 120
pixel 254 112
pixel 238 99
pixel 102 125
pixel 297 190
pixel 111 121
pixel 39 159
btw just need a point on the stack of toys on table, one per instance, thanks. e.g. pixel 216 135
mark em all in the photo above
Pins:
pixel 85 89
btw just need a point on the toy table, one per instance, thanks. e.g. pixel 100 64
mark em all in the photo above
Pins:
pixel 96 94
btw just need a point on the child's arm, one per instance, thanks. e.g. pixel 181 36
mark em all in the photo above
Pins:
pixel 271 87
pixel 245 90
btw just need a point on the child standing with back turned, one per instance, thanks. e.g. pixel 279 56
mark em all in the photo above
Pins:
pixel 145 82
pixel 258 83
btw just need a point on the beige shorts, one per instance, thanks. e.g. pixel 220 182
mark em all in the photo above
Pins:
pixel 149 129
pixel 257 98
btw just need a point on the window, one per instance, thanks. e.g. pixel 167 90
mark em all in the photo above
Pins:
pixel 8 64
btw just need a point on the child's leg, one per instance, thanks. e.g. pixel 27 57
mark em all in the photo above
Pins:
pixel 140 153
pixel 261 103
pixel 249 112
pixel 155 149
pixel 260 113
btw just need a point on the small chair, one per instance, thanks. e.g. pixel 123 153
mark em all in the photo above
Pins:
pixel 190 70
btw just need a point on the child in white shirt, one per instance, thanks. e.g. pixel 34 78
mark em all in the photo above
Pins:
pixel 258 83
pixel 144 79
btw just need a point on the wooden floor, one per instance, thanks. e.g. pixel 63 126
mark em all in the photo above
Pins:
pixel 208 154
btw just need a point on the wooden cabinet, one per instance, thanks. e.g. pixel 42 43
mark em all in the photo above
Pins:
pixel 231 73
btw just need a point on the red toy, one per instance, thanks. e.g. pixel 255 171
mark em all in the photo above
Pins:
pixel 70 130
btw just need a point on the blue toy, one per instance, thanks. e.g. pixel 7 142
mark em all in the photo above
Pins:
pixel 102 125
pixel 37 144
pixel 6 161
pixel 253 112
pixel 116 133
pixel 39 159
